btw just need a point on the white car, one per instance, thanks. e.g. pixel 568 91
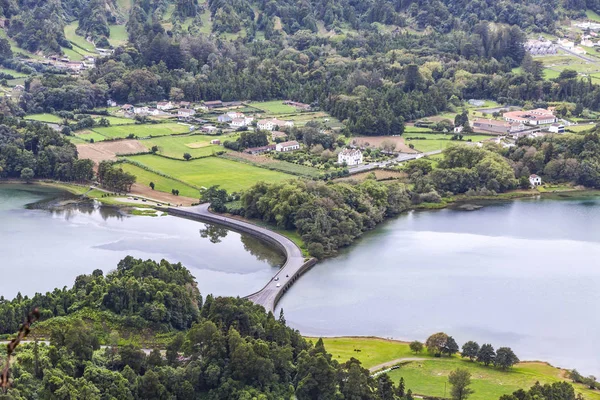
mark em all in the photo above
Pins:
pixel 278 285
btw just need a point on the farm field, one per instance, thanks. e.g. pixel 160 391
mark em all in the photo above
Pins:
pixel 115 120
pixel 429 376
pixel 426 146
pixel 195 145
pixel 115 132
pixel 87 135
pixel 230 175
pixel 283 166
pixel 274 107
pixel 580 128
pixel 161 183
pixel 12 72
pixel 118 35
pixel 102 151
pixel 51 118
pixel 77 40
pixel 447 136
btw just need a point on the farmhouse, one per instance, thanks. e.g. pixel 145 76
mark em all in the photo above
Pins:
pixel 208 128
pixel 185 113
pixel 164 105
pixel 299 106
pixel 213 104
pixel 535 180
pixel 111 103
pixel 153 111
pixel 224 118
pixel 185 104
pixel 260 150
pixel 127 107
pixel 540 47
pixel 271 124
pixel 215 141
pixel 557 128
pixel 238 123
pixel 539 116
pixel 75 66
pixel 500 127
pixel 140 110
pixel 350 157
pixel 287 146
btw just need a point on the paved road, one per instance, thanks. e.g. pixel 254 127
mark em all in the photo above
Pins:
pixel 584 58
pixel 400 158
pixel 294 266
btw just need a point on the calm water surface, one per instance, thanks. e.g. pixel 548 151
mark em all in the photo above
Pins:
pixel 523 274
pixel 42 249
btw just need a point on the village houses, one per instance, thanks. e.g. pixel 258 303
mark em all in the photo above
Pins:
pixel 539 116
pixel 350 157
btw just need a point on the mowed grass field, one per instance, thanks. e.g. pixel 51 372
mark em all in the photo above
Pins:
pixel 161 183
pixel 45 118
pixel 206 172
pixel 114 121
pixel 428 376
pixel 274 107
pixel 195 145
pixel 118 35
pixel 428 145
pixel 140 131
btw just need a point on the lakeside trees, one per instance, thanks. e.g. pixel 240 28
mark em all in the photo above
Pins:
pixel 327 216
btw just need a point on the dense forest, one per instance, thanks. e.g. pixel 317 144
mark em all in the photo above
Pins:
pixel 373 79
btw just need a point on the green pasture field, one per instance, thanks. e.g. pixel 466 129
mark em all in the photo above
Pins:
pixel 86 135
pixel 118 35
pixel 115 120
pixel 77 40
pixel 195 145
pixel 140 131
pixel 206 172
pixel 161 183
pixel 274 107
pixel 51 118
pixel 12 72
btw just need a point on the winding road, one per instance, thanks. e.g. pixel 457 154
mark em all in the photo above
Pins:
pixel 295 264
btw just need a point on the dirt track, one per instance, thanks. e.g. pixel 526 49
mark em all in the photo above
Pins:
pixel 103 151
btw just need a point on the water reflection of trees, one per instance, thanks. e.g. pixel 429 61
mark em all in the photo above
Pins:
pixel 214 233
pixel 68 211
pixel 261 251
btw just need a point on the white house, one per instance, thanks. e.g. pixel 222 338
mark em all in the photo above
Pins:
pixel 238 123
pixel 557 128
pixel 287 146
pixel 140 110
pixel 164 105
pixel 224 118
pixel 535 180
pixel 111 103
pixel 458 129
pixel 185 113
pixel 350 157
pixel 209 128
pixel 153 111
pixel 271 124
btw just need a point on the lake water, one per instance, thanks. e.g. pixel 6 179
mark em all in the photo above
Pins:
pixel 523 274
pixel 42 249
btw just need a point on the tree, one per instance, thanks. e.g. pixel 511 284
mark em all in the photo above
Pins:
pixel 27 174
pixel 151 185
pixel 470 350
pixel 187 156
pixel 505 358
pixel 154 149
pixel 436 342
pixel 486 354
pixel 460 379
pixel 451 347
pixel 416 346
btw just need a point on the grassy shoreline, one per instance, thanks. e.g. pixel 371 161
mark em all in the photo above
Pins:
pixel 427 375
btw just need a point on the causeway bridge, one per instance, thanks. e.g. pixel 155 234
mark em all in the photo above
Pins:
pixel 295 264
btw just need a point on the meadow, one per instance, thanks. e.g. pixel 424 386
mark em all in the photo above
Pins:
pixel 140 131
pixel 429 375
pixel 161 183
pixel 87 135
pixel 206 172
pixel 118 35
pixel 195 145
pixel 12 72
pixel 51 118
pixel 115 120
pixel 274 107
